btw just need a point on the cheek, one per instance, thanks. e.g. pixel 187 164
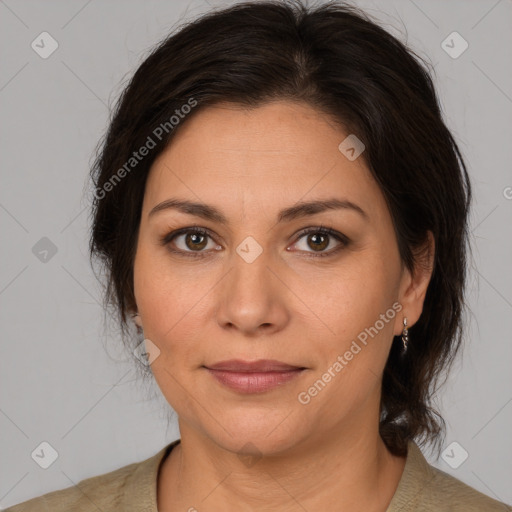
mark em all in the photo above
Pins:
pixel 166 303
pixel 172 304
pixel 359 306
pixel 354 296
pixel 159 291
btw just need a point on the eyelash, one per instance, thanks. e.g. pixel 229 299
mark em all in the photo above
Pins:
pixel 168 238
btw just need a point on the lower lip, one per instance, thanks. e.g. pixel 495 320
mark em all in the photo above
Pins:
pixel 246 382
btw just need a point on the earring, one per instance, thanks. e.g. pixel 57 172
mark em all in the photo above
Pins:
pixel 405 335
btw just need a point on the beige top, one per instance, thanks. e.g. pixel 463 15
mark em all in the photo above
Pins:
pixel 133 488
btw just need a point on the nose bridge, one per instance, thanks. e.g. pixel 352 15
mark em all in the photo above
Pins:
pixel 251 298
pixel 249 279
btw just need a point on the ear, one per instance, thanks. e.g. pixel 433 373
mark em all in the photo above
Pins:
pixel 136 318
pixel 414 284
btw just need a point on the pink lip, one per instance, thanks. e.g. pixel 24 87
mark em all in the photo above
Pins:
pixel 261 366
pixel 253 377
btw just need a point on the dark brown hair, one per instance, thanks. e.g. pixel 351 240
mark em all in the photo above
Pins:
pixel 341 62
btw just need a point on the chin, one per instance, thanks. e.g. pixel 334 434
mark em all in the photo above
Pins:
pixel 258 434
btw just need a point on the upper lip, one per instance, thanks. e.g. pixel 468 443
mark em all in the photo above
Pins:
pixel 261 365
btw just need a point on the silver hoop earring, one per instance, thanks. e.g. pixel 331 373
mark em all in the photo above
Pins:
pixel 405 335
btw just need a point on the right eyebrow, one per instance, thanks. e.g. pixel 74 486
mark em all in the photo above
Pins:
pixel 202 210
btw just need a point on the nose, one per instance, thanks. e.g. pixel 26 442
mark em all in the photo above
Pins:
pixel 253 298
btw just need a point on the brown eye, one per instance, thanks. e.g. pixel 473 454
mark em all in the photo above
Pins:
pixel 196 241
pixel 190 242
pixel 316 241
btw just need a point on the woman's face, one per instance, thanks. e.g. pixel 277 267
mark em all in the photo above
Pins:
pixel 257 287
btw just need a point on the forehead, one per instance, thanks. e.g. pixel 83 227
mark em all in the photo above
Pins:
pixel 274 128
pixel 279 152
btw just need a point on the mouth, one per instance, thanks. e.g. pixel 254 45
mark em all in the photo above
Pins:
pixel 253 376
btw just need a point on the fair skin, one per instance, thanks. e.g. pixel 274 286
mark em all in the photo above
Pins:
pixel 289 304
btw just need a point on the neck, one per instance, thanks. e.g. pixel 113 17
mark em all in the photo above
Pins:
pixel 353 471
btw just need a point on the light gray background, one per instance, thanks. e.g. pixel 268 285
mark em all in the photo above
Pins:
pixel 58 383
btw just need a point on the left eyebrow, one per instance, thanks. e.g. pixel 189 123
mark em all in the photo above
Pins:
pixel 302 209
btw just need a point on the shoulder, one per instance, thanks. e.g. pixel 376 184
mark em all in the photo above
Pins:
pixel 134 484
pixel 424 488
pixel 459 496
pixel 102 491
